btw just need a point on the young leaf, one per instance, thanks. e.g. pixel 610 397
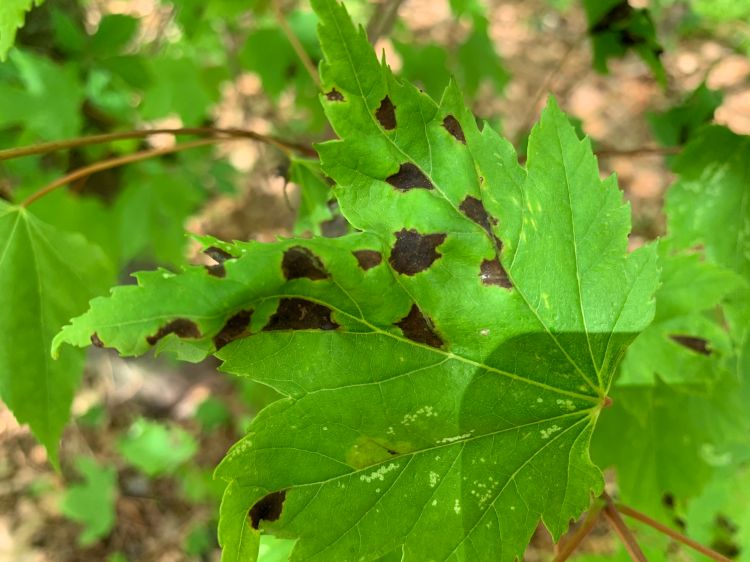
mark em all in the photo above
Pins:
pixel 156 449
pixel 46 276
pixel 92 503
pixel 443 368
pixel 12 15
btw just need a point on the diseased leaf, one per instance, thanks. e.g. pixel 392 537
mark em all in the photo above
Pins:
pixel 444 366
pixel 12 15
pixel 46 276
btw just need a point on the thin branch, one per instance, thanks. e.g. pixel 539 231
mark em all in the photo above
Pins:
pixel 712 554
pixel 570 545
pixel 116 162
pixel 295 43
pixel 44 148
pixel 618 525
pixel 382 19
pixel 636 152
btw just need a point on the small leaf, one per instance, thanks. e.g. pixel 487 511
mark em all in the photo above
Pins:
pixel 92 503
pixel 156 449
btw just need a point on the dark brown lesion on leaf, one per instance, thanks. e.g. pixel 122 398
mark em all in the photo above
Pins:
pixel 474 209
pixel 699 345
pixel 452 125
pixel 268 508
pixel 236 327
pixel 96 340
pixel 367 259
pixel 386 114
pixel 217 270
pixel 414 252
pixel 219 256
pixel 492 272
pixel 409 176
pixel 299 262
pixel 181 327
pixel 300 314
pixel 419 328
pixel 334 95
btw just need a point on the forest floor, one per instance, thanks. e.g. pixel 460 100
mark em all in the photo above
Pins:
pixel 543 50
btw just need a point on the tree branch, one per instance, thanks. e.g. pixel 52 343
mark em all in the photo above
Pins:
pixel 295 43
pixel 382 19
pixel 44 148
pixel 630 512
pixel 618 525
pixel 116 162
pixel 570 545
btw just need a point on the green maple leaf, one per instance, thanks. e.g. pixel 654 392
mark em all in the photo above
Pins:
pixel 12 15
pixel 46 276
pixel 92 502
pixel 443 368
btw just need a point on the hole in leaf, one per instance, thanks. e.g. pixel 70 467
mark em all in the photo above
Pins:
pixel 474 209
pixel 409 177
pixel 267 509
pixel 699 345
pixel 334 95
pixel 235 328
pixel 492 272
pixel 417 327
pixel 367 259
pixel 415 252
pixel 182 327
pixel 300 314
pixel 300 262
pixel 217 254
pixel 217 270
pixel 96 341
pixel 386 114
pixel 452 125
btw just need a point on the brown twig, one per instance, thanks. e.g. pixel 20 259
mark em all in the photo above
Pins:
pixel 712 554
pixel 636 152
pixel 382 19
pixel 570 545
pixel 618 525
pixel 295 43
pixel 44 148
pixel 116 162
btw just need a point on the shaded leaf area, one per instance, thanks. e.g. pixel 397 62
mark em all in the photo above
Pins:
pixel 615 28
pixel 46 276
pixel 687 342
pixel 675 126
pixel 92 502
pixel 417 395
pixel 668 428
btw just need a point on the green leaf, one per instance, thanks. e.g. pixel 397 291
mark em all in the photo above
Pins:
pixel 442 368
pixel 675 126
pixel 46 276
pixel 156 449
pixel 12 15
pixel 615 28
pixel 315 193
pixel 684 344
pixel 92 503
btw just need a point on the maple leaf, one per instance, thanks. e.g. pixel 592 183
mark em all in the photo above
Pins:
pixel 444 367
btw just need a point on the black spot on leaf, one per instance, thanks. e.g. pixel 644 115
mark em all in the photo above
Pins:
pixel 182 327
pixel 493 273
pixel 452 125
pixel 300 262
pixel 235 328
pixel 217 254
pixel 409 177
pixel 96 341
pixel 217 270
pixel 415 252
pixel 267 509
pixel 474 209
pixel 300 314
pixel 699 345
pixel 417 327
pixel 386 114
pixel 367 259
pixel 334 95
